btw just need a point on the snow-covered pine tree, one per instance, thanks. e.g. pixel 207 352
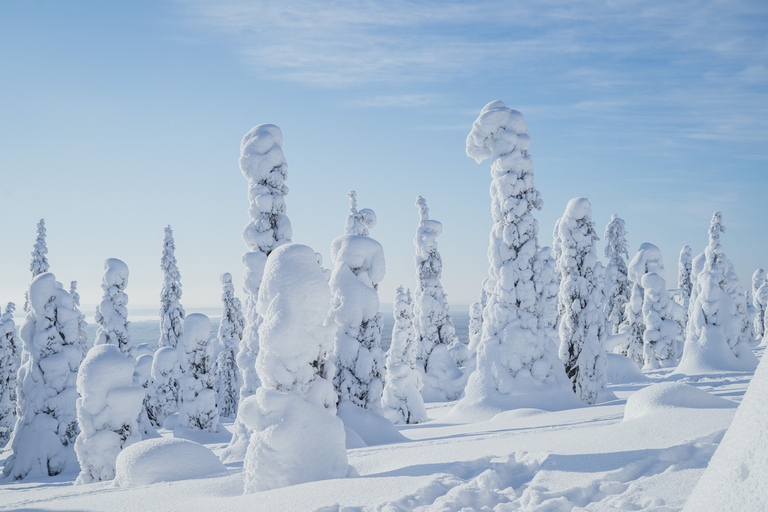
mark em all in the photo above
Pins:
pixel 579 302
pixel 42 443
pixel 662 332
pixel 760 300
pixel 107 411
pixel 548 289
pixel 9 352
pixel 713 339
pixel 112 313
pixel 402 401
pixel 197 396
pixel 39 264
pixel 758 278
pixel 684 278
pixel 230 334
pixel 476 320
pixel 171 311
pixel 263 164
pixel 81 323
pixel 358 268
pixel 297 436
pixel 516 366
pixel 618 287
pixel 165 373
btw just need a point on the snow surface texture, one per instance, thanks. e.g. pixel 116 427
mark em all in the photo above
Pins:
pixel 112 313
pixel 263 164
pixel 618 287
pixel 9 352
pixel 582 324
pixel 296 435
pixel 735 477
pixel 197 396
pixel 46 427
pixel 107 411
pixel 165 460
pixel 358 268
pixel 432 319
pixel 714 338
pixel 516 367
pixel 230 335
pixel 402 401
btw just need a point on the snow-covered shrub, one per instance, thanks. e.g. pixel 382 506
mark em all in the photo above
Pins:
pixel 166 373
pixel 39 264
pixel 171 311
pixel 9 351
pixel 43 440
pixel 516 366
pixel 197 396
pixel 81 323
pixel 662 333
pixel 230 334
pixel 402 401
pixel 112 313
pixel 263 164
pixel 107 411
pixel 296 435
pixel 579 302
pixel 714 334
pixel 358 268
pixel 618 287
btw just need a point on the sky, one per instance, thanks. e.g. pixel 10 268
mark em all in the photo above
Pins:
pixel 119 118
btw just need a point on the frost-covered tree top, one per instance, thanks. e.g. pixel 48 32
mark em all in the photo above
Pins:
pixel 112 312
pixel 171 311
pixel 616 235
pixel 758 278
pixel 232 320
pixel 684 268
pixel 358 222
pixel 648 259
pixel 39 263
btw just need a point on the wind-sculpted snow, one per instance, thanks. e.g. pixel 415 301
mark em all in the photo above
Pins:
pixel 667 395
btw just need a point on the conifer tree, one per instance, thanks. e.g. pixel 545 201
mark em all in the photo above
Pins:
pixel 197 396
pixel 230 334
pixel 9 352
pixel 81 323
pixel 39 264
pixel 171 311
pixel 618 287
pixel 112 312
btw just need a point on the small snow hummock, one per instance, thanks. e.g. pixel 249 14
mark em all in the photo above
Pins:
pixel 402 401
pixel 230 335
pixel 297 436
pixel 618 287
pixel 165 460
pixel 107 411
pixel 197 396
pixel 42 443
pixel 516 366
pixel 579 302
pixel 669 395
pixel 112 313
pixel 432 319
pixel 9 353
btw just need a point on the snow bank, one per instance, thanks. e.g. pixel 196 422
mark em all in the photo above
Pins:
pixel 669 395
pixel 165 460
pixel 621 369
pixel 372 428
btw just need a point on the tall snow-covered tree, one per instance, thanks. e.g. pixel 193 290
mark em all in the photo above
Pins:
pixel 81 323
pixel 714 335
pixel 263 164
pixel 516 366
pixel 662 332
pixel 39 264
pixel 112 312
pixel 230 334
pixel 297 436
pixel 171 311
pixel 42 443
pixel 9 351
pixel 358 268
pixel 618 287
pixel 197 396
pixel 684 270
pixel 166 373
pixel 579 302
pixel 476 320
pixel 402 401
pixel 760 300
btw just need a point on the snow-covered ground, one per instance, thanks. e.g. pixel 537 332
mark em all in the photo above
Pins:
pixel 588 458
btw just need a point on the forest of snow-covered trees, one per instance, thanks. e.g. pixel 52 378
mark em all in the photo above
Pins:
pixel 296 379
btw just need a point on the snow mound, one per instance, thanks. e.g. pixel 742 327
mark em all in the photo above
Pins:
pixel 621 369
pixel 372 428
pixel 165 460
pixel 670 395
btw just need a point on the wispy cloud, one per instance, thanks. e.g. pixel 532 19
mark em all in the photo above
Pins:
pixel 401 100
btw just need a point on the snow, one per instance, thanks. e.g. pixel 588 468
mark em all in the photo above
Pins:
pixel 165 460
pixel 197 396
pixel 668 395
pixel 112 313
pixel 9 353
pixel 621 369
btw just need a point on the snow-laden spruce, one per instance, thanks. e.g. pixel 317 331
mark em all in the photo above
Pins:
pixel 297 436
pixel 171 311
pixel 516 365
pixel 548 289
pixel 476 320
pixel 618 287
pixel 713 339
pixel 402 401
pixel 81 323
pixel 112 312
pixel 39 264
pixel 197 396
pixel 432 318
pixel 579 302
pixel 143 377
pixel 9 352
pixel 166 373
pixel 230 334
pixel 662 333
pixel 760 300
pixel 358 268
pixel 107 411
pixel 263 164
pixel 43 439
pixel 684 277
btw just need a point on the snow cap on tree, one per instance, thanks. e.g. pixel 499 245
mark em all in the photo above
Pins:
pixel 358 222
pixel 39 263
pixel 112 313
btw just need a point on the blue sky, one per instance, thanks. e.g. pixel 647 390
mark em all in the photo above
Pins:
pixel 117 118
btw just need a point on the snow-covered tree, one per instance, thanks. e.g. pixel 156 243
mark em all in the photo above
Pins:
pixel 81 323
pixel 758 279
pixel 143 377
pixel 112 313
pixel 230 334
pixel 684 269
pixel 43 439
pixel 662 332
pixel 107 411
pixel 760 301
pixel 197 396
pixel 714 334
pixel 579 302
pixel 39 264
pixel 476 320
pixel 358 268
pixel 516 366
pixel 263 164
pixel 297 436
pixel 618 287
pixel 548 289
pixel 9 351
pixel 432 318
pixel 171 311
pixel 166 373
pixel 402 401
